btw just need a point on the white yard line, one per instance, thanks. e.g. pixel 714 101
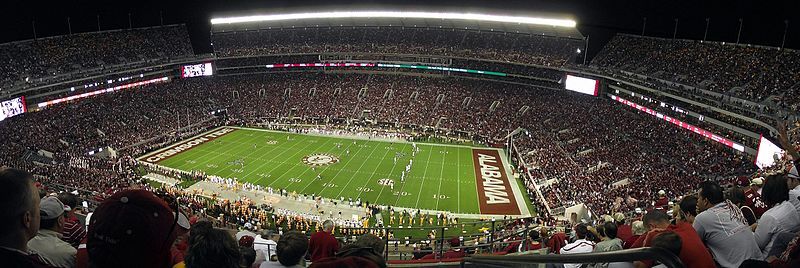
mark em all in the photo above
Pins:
pixel 206 159
pixel 424 173
pixel 326 168
pixel 367 139
pixel 374 171
pixel 389 176
pixel 458 182
pixel 292 168
pixel 359 168
pixel 271 159
pixel 441 178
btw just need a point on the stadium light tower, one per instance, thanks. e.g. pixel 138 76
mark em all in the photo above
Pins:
pixel 399 14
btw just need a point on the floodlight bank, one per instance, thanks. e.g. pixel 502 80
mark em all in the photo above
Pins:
pixel 399 14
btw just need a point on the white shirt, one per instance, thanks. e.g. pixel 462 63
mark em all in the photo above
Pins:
pixel 793 195
pixel 781 218
pixel 579 246
pixel 52 249
pixel 268 247
pixel 731 242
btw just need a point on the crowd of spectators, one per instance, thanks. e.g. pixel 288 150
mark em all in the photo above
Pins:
pixel 748 72
pixel 502 46
pixel 52 56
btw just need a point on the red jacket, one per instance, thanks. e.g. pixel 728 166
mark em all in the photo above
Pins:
pixel 693 251
pixel 556 242
pixel 624 232
pixel 322 245
pixel 454 254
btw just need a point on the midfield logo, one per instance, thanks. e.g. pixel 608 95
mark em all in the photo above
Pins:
pixel 320 159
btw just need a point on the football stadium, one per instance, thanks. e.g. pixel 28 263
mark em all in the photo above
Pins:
pixel 319 134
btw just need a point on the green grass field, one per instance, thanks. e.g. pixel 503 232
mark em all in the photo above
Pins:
pixel 442 177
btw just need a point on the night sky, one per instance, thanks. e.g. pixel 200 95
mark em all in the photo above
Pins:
pixel 763 20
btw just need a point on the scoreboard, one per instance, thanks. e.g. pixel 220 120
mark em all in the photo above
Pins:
pixel 195 70
pixel 12 107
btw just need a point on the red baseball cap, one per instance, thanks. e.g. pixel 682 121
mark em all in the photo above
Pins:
pixel 246 241
pixel 132 228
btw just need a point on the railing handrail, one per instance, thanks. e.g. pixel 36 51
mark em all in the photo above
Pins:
pixel 628 255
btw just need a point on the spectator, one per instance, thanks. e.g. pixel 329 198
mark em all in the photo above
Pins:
pixel 248 257
pixel 608 236
pixel 247 242
pixel 291 249
pixel 638 230
pixel 454 251
pixel 671 242
pixel 19 218
pixel 47 242
pixel 73 231
pixel 722 227
pixel 624 231
pixel 322 243
pixel 688 209
pixel 781 218
pixel 693 253
pixel 213 248
pixel 181 245
pixel 131 228
pixel 793 179
pixel 532 243
pixel 265 244
pixel 609 241
pixel 736 196
pixel 555 242
pixel 753 197
pixel 365 252
pixel 581 245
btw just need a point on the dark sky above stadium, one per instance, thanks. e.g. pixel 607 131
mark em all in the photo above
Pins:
pixel 763 21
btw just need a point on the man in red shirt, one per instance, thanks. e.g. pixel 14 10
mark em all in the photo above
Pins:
pixel 322 243
pixel 663 202
pixel 753 197
pixel 454 251
pixel 624 231
pixel 693 251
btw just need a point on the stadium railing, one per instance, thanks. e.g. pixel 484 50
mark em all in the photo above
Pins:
pixel 489 246
pixel 629 255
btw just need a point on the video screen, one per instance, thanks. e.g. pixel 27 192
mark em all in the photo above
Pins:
pixel 12 107
pixel 194 70
pixel 582 85
pixel 768 153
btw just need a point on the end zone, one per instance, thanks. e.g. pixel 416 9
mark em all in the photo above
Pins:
pixel 177 148
pixel 496 195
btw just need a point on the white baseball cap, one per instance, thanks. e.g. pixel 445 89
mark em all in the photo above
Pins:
pixel 51 208
pixel 793 172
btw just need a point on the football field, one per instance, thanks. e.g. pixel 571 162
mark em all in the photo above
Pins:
pixel 458 179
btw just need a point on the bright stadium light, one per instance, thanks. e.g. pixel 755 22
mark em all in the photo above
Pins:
pixel 398 14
